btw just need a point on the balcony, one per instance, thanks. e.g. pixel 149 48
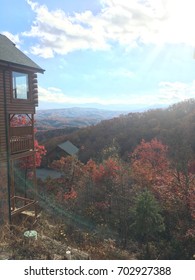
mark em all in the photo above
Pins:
pixel 21 139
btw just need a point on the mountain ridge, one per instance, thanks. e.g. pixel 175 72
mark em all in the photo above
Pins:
pixel 72 117
pixel 176 123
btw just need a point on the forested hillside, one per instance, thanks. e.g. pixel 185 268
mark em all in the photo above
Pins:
pixel 175 126
pixel 133 193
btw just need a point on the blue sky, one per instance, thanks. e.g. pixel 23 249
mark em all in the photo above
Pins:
pixel 108 52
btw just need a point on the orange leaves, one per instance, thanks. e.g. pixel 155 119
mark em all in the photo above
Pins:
pixel 70 195
pixel 151 167
pixel 70 166
pixel 90 166
pixel 60 188
pixel 72 177
pixel 191 196
pixel 151 152
pixel 24 120
pixel 104 171
pixel 20 120
pixel 40 152
pixel 149 163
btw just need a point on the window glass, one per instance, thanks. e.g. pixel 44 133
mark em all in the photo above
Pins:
pixel 20 85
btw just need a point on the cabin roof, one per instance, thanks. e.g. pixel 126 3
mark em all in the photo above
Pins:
pixel 12 56
pixel 69 148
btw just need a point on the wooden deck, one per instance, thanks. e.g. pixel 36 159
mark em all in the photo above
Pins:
pixel 27 204
pixel 21 139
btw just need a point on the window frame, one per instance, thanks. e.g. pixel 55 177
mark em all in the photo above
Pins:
pixel 14 87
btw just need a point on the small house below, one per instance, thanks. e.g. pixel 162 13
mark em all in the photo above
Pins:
pixel 62 150
pixel 68 148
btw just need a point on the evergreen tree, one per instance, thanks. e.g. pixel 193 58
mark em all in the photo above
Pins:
pixel 148 219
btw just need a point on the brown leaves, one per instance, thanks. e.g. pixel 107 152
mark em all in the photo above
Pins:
pixel 150 164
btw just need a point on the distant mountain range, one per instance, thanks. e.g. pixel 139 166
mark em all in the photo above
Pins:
pixel 43 106
pixel 83 116
pixel 73 117
pixel 174 126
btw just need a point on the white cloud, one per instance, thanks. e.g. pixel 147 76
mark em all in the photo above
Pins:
pixel 121 21
pixel 59 33
pixel 45 52
pixel 172 92
pixel 168 93
pixel 56 95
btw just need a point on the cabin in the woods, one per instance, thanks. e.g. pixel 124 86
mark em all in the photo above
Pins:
pixel 18 99
pixel 62 150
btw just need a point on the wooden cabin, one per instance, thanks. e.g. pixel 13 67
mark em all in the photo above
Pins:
pixel 18 99
pixel 62 150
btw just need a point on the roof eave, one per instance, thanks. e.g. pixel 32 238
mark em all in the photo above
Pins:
pixel 12 64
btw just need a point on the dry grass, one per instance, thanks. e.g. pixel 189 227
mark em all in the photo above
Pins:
pixel 54 237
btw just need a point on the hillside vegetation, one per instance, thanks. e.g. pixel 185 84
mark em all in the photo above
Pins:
pixel 173 126
pixel 133 185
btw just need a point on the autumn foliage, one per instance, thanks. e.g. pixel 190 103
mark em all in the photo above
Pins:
pixel 150 164
pixel 40 151
pixel 107 170
pixel 133 182
pixel 174 188
pixel 111 196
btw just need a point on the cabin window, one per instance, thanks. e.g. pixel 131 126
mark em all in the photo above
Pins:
pixel 20 85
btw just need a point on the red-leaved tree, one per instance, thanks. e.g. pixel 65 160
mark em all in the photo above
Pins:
pixel 40 151
pixel 152 169
pixel 150 164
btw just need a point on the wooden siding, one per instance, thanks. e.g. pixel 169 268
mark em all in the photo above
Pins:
pixel 4 205
pixel 2 121
pixel 13 106
pixel 3 160
pixel 19 105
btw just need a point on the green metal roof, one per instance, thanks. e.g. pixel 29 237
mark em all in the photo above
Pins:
pixel 13 56
pixel 69 148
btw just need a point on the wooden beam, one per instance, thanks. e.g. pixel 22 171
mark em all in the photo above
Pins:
pixel 23 208
pixel 21 155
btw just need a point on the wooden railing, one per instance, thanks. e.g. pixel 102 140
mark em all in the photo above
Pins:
pixel 21 139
